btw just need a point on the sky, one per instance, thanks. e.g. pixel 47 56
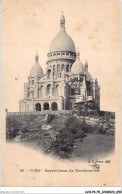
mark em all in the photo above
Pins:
pixel 30 26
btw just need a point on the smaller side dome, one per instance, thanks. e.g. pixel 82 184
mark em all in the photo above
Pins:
pixel 77 66
pixel 36 70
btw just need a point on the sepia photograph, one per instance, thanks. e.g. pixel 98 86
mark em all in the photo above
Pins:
pixel 60 93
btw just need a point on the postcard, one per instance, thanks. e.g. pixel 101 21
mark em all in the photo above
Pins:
pixel 60 87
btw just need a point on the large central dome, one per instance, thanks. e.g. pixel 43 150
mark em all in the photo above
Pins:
pixel 62 41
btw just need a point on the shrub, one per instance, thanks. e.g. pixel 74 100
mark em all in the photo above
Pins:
pixel 49 118
pixel 63 145
pixel 12 127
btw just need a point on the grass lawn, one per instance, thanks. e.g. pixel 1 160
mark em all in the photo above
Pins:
pixel 93 145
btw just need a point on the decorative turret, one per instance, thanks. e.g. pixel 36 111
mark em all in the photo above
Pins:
pixel 84 91
pixel 88 76
pixel 86 65
pixel 78 55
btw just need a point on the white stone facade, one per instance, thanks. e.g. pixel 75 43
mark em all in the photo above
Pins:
pixel 66 81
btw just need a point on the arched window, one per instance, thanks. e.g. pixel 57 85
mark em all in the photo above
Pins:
pixel 56 92
pixel 58 68
pixel 81 79
pixel 63 67
pixel 48 89
pixel 32 82
pixel 41 91
pixel 48 74
pixel 76 78
pixel 67 68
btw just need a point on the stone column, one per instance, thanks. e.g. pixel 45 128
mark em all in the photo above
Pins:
pixel 50 106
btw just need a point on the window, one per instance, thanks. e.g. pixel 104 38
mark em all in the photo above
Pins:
pixel 58 68
pixel 48 74
pixel 67 68
pixel 32 82
pixel 63 53
pixel 57 90
pixel 54 54
pixel 53 68
pixel 41 91
pixel 67 53
pixel 48 89
pixel 81 79
pixel 62 67
pixel 76 78
pixel 54 106
pixel 58 53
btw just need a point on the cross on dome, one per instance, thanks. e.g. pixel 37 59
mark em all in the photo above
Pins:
pixel 36 57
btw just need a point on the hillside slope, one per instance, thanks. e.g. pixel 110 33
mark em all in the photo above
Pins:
pixel 57 134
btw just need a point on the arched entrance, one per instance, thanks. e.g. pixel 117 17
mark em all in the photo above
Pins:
pixel 38 106
pixel 46 106
pixel 54 106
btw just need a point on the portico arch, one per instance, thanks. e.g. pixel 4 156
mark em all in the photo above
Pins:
pixel 54 106
pixel 46 106
pixel 38 106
